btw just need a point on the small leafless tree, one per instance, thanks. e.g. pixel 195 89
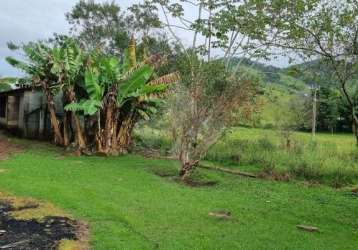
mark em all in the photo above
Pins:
pixel 210 89
pixel 203 106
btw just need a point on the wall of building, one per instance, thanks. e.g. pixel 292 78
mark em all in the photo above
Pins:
pixel 27 113
pixel 30 117
pixel 13 104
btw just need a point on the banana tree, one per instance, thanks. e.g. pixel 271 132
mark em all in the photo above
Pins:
pixel 39 69
pixel 68 65
pixel 119 94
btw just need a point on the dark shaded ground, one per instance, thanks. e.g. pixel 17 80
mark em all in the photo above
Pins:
pixel 7 147
pixel 191 181
pixel 32 234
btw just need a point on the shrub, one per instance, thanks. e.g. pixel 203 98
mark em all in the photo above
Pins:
pixel 265 144
pixel 306 168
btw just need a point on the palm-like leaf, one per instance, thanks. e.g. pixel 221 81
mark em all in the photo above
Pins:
pixel 20 65
pixel 93 88
pixel 67 62
pixel 88 107
pixel 136 81
pixel 38 66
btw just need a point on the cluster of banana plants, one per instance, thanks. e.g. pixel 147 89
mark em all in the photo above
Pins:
pixel 103 96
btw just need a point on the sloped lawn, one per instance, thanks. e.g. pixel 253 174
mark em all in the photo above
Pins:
pixel 128 206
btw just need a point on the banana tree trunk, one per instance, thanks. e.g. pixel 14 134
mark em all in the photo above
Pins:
pixel 66 139
pixel 124 137
pixel 79 133
pixel 53 118
pixel 114 137
pixel 108 129
pixel 80 139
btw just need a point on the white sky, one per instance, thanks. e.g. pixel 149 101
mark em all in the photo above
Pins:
pixel 29 20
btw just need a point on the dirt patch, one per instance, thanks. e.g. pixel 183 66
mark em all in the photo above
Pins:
pixel 196 183
pixel 190 181
pixel 7 147
pixel 26 224
pixel 275 176
pixel 164 174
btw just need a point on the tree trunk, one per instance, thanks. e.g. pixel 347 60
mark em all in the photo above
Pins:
pixel 79 137
pixel 108 128
pixel 54 121
pixel 79 133
pixel 314 112
pixel 355 130
pixel 124 137
pixel 66 139
pixel 186 168
pixel 114 137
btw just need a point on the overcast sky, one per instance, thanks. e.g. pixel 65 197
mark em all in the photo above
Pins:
pixel 30 20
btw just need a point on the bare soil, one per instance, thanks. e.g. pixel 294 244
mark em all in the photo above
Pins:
pixel 7 147
pixel 33 234
pixel 191 182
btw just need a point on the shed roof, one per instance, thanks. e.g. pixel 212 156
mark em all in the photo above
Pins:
pixel 15 88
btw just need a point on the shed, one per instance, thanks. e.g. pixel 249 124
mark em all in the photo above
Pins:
pixel 23 111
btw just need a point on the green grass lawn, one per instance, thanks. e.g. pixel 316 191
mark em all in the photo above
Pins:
pixel 129 207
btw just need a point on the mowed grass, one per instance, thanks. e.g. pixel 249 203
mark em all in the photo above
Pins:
pixel 129 207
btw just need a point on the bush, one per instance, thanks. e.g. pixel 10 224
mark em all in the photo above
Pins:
pixel 306 168
pixel 265 144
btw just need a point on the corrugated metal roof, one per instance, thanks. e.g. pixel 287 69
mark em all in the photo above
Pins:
pixel 15 87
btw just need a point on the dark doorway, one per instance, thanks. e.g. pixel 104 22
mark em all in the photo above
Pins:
pixel 3 106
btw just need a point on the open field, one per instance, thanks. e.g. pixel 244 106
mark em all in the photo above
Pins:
pixel 331 159
pixel 128 206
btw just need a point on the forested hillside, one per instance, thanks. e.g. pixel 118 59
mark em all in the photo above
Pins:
pixel 288 97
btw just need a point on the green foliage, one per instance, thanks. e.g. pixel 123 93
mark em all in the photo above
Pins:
pixel 5 83
pixel 92 86
pixel 99 24
pixel 38 66
pixel 88 107
pixel 67 62
pixel 315 29
pixel 134 84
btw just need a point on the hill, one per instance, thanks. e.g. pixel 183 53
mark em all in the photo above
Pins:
pixel 282 79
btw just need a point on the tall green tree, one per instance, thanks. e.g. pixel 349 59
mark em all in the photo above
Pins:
pixel 328 109
pixel 99 24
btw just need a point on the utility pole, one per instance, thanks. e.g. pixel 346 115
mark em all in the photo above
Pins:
pixel 314 110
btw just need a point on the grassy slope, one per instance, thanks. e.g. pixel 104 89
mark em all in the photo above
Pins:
pixel 331 160
pixel 129 207
pixel 344 142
